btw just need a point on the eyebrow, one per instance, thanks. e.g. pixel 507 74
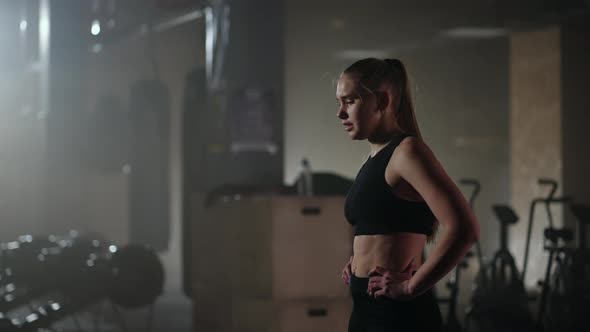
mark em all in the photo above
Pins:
pixel 349 96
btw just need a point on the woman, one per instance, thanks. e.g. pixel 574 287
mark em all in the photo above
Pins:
pixel 398 197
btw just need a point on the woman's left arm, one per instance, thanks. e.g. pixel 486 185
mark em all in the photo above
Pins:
pixel 416 163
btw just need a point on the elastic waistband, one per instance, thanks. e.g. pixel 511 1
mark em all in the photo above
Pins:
pixel 359 286
pixel 358 280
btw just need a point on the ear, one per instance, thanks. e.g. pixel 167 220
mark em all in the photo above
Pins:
pixel 383 99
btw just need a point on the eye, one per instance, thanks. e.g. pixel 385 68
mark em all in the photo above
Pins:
pixel 346 101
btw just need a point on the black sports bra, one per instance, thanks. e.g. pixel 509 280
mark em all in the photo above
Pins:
pixel 373 208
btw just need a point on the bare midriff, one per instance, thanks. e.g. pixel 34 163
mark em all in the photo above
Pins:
pixel 394 251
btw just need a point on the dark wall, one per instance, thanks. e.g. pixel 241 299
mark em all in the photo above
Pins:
pixel 575 52
pixel 214 119
pixel 255 59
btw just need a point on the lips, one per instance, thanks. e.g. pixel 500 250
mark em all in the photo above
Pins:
pixel 347 126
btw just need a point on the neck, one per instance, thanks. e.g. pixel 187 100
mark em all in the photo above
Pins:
pixel 377 142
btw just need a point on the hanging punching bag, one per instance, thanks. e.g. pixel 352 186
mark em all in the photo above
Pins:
pixel 194 157
pixel 107 136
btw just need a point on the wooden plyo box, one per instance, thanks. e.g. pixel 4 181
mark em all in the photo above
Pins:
pixel 270 264
pixel 273 247
pixel 255 315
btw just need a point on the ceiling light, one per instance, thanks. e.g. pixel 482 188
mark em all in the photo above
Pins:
pixel 474 32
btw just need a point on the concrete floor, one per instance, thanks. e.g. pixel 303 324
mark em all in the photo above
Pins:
pixel 172 313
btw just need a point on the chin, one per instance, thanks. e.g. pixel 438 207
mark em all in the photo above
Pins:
pixel 355 136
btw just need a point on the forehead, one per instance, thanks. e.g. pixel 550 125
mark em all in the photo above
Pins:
pixel 346 86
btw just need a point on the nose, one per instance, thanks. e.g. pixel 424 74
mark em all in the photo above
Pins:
pixel 341 114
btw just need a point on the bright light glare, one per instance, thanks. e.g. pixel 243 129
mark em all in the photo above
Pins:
pixel 95 29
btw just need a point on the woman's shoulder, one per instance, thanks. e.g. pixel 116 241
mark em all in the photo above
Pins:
pixel 410 144
pixel 411 149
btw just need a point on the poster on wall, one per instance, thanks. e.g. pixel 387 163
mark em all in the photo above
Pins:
pixel 252 121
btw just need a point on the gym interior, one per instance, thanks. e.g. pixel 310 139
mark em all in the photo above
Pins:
pixel 177 165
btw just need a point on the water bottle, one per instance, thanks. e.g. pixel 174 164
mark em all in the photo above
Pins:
pixel 305 183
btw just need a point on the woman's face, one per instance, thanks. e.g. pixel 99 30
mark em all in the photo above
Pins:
pixel 357 108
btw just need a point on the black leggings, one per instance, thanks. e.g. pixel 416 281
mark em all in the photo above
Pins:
pixel 384 315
